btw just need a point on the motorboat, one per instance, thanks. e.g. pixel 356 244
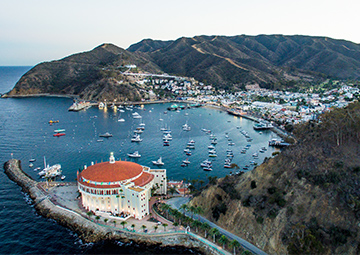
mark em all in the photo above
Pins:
pixel 212 151
pixel 158 162
pixel 63 177
pixel 231 143
pixel 121 120
pixel 50 171
pixel 58 134
pixel 99 140
pixel 212 155
pixel 186 161
pixel 207 169
pixel 186 127
pixel 31 165
pixel 32 160
pixel 188 153
pixel 106 135
pixel 166 143
pixel 37 169
pixel 59 130
pixel 167 137
pixel 136 115
pixel 186 150
pixel 211 147
pixel 136 139
pixel 227 165
pixel 134 155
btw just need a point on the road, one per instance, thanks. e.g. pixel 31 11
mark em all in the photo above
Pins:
pixel 176 202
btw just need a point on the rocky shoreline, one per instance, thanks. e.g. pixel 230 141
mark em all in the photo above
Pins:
pixel 89 231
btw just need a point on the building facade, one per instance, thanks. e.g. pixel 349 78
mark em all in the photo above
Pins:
pixel 122 188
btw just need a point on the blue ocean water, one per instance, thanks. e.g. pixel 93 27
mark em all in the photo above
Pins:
pixel 25 133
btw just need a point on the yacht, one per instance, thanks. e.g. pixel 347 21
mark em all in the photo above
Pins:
pixel 211 147
pixel 207 169
pixel 186 161
pixel 158 162
pixel 136 115
pixel 106 135
pixel 186 127
pixel 262 126
pixel 134 155
pixel 136 138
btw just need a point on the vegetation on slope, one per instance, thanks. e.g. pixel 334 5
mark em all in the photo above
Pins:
pixel 305 200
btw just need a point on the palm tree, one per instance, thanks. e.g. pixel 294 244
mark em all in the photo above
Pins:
pixel 114 223
pixel 172 190
pixel 223 240
pixel 199 211
pixel 214 232
pixel 123 223
pixel 106 220
pixel 197 224
pixel 143 227
pixel 205 226
pixel 156 227
pixel 184 207
pixel 165 225
pixel 133 226
pixel 234 244
pixel 97 218
pixel 175 225
pixel 192 209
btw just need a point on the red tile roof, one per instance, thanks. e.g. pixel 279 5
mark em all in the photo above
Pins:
pixel 144 179
pixel 106 172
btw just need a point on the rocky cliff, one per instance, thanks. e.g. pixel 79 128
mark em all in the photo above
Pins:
pixel 305 200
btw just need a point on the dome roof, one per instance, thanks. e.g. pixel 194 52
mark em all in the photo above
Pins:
pixel 112 172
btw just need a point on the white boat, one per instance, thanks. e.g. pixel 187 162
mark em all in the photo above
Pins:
pixel 255 155
pixel 50 171
pixel 121 120
pixel 142 124
pixel 186 127
pixel 136 115
pixel 186 161
pixel 37 169
pixel 207 169
pixel 158 162
pixel 63 177
pixel 61 130
pixel 31 165
pixel 134 155
pixel 205 164
pixel 212 155
pixel 212 151
pixel 167 137
pixel 100 140
pixel 32 160
pixel 206 161
pixel 136 138
pixel 120 110
pixel 211 147
pixel 106 135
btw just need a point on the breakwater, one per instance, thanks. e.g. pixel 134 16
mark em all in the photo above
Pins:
pixel 90 231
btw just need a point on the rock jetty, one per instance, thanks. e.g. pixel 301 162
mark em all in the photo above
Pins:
pixel 88 230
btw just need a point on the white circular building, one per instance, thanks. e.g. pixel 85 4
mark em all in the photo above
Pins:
pixel 120 187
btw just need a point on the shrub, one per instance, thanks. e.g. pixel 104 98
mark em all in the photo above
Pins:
pixel 272 213
pixel 253 184
pixel 260 220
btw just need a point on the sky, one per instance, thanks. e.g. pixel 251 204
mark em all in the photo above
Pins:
pixel 34 31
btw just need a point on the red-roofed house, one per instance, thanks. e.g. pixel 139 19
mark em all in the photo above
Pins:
pixel 120 187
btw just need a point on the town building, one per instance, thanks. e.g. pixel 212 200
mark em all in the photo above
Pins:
pixel 121 188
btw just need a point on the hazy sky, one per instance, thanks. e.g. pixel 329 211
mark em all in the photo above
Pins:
pixel 33 31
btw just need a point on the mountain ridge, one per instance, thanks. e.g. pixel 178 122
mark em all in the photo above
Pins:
pixel 226 62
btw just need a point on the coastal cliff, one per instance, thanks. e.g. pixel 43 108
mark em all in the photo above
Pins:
pixel 304 200
pixel 88 230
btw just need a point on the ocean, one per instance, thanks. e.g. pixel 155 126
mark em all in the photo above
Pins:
pixel 25 133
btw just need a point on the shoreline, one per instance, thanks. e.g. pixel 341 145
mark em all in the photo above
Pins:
pixel 88 230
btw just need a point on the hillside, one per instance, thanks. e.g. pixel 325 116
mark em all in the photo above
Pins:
pixel 93 75
pixel 305 200
pixel 270 60
pixel 273 61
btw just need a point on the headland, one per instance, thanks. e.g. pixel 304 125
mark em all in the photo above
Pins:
pixel 59 201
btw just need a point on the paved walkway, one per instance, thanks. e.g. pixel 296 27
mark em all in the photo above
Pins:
pixel 176 202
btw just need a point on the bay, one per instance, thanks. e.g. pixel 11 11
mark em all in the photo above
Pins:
pixel 25 133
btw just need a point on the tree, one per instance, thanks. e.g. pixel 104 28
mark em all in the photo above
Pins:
pixel 223 240
pixel 106 220
pixel 114 223
pixel 205 226
pixel 199 211
pixel 175 225
pixel 133 227
pixel 184 207
pixel 97 218
pixel 143 227
pixel 197 224
pixel 234 244
pixel 214 232
pixel 192 209
pixel 123 223
pixel 172 190
pixel 89 214
pixel 165 225
pixel 156 227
